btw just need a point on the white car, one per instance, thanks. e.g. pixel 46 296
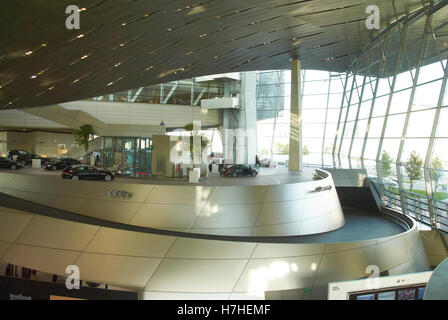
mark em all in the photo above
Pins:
pixel 391 182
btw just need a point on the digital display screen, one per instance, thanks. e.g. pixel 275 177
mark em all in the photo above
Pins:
pixel 420 293
pixel 406 294
pixel 386 295
pixel 397 293
pixel 370 296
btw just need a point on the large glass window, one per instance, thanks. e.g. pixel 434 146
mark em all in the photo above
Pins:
pixel 349 115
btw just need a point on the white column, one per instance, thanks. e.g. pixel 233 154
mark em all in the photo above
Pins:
pixel 295 126
pixel 246 148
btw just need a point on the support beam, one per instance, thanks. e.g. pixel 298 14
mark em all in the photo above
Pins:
pixel 199 97
pixel 246 120
pixel 136 94
pixel 168 96
pixel 295 126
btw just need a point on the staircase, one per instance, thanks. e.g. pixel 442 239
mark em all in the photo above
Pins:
pixel 348 177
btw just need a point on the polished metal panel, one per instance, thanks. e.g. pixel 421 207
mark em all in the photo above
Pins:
pixel 166 216
pixel 53 261
pixel 119 242
pixel 186 248
pixel 56 233
pixel 174 267
pixel 291 208
pixel 12 223
pixel 198 275
pixel 132 272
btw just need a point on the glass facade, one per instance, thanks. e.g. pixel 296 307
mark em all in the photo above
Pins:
pixel 321 100
pixel 182 92
pixel 388 114
pixel 131 156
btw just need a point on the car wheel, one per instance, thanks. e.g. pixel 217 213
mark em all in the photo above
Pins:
pixel 76 178
pixel 53 168
pixel 13 167
pixel 108 177
pixel 234 174
pixel 254 173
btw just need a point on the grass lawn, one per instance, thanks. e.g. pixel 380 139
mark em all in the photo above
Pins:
pixel 436 196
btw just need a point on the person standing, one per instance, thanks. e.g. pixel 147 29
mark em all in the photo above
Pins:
pixel 257 161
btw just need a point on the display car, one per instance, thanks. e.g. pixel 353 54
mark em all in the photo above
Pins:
pixel 17 153
pixel 28 158
pixel 6 163
pixel 222 168
pixel 238 170
pixel 267 163
pixel 61 164
pixel 82 172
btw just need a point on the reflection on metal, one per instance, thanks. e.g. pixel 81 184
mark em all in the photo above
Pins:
pixel 118 194
pixel 320 189
pixel 184 267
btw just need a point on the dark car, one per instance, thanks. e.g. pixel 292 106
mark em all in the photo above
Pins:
pixel 61 164
pixel 28 158
pixel 239 170
pixel 6 163
pixel 223 168
pixel 82 172
pixel 17 153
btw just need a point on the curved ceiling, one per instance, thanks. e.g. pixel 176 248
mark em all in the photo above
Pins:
pixel 124 44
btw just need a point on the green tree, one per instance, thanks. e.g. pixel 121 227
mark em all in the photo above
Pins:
pixel 413 167
pixel 264 152
pixel 283 148
pixel 386 161
pixel 83 134
pixel 329 149
pixel 435 171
